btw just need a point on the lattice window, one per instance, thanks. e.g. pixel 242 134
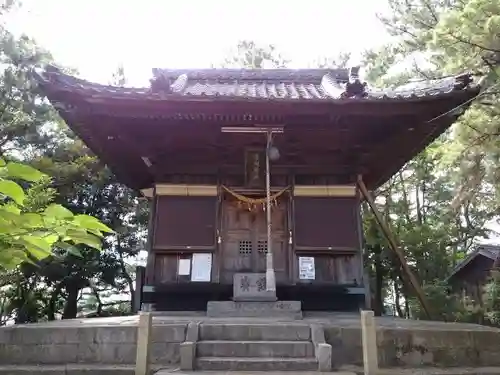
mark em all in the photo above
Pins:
pixel 262 247
pixel 245 247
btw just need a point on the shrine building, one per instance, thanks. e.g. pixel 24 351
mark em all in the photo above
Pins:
pixel 252 174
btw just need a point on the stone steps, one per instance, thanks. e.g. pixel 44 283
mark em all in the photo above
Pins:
pixel 255 364
pixel 254 332
pixel 255 347
pixel 279 349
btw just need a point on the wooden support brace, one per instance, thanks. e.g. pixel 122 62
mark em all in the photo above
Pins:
pixel 143 343
pixel 395 247
pixel 369 341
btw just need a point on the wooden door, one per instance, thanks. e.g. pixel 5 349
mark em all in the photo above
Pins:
pixel 244 242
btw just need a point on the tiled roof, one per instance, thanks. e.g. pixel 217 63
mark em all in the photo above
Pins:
pixel 489 251
pixel 280 75
pixel 259 84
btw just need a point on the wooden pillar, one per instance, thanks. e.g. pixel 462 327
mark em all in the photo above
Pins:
pixel 150 265
pixel 143 343
pixel 139 282
pixel 394 246
pixel 364 271
pixel 369 341
pixel 149 274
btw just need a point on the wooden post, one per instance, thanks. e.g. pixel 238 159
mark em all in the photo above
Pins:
pixel 394 246
pixel 143 343
pixel 369 341
pixel 150 263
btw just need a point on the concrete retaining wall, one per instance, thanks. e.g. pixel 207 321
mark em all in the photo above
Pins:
pixel 412 344
pixel 417 347
pixel 23 345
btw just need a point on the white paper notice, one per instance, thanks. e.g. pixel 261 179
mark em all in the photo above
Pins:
pixel 306 268
pixel 184 267
pixel 202 267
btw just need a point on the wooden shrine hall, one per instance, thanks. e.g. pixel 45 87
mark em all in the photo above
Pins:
pixel 252 174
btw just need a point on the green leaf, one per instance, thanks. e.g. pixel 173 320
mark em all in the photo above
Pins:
pixel 24 172
pixel 10 258
pixel 2 162
pixel 57 211
pixel 32 219
pixel 6 227
pixel 82 237
pixel 91 223
pixel 73 250
pixel 10 217
pixel 11 208
pixel 37 252
pixel 39 247
pixel 12 190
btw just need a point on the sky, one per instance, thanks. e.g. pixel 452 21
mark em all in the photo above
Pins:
pixel 96 36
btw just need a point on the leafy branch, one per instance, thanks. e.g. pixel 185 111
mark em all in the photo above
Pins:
pixel 29 234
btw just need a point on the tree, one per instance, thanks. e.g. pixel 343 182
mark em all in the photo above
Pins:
pixel 249 54
pixel 439 203
pixel 85 186
pixel 456 36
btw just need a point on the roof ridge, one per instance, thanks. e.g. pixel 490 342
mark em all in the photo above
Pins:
pixel 273 74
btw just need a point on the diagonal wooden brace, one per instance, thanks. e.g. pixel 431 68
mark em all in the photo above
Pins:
pixel 395 247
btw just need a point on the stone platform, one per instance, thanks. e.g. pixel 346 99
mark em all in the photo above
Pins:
pixel 254 309
pixel 112 341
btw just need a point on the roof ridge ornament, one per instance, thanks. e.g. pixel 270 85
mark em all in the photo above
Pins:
pixel 161 84
pixel 332 86
pixel 179 84
pixel 338 89
pixel 354 88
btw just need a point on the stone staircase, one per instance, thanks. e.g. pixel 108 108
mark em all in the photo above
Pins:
pixel 255 347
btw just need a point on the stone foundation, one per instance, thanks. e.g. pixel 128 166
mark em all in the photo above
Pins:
pixel 113 340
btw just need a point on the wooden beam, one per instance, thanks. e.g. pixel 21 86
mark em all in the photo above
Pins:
pixel 324 191
pixel 395 247
pixel 238 169
pixel 201 108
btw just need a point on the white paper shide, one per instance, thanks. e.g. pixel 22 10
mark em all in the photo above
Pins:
pixel 306 268
pixel 201 267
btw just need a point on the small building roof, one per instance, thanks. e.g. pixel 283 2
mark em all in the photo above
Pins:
pixel 485 250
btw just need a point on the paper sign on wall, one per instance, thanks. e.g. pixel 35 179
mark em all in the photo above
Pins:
pixel 306 268
pixel 202 267
pixel 184 267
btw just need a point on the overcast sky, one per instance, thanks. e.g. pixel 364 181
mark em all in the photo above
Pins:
pixel 95 36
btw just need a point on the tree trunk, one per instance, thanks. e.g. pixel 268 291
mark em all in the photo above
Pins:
pixel 397 301
pixel 126 275
pixel 378 305
pixel 52 308
pixel 71 306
